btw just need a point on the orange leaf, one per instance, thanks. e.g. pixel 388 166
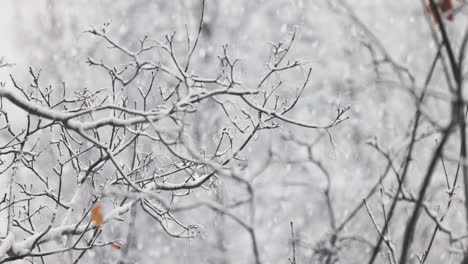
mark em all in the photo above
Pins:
pixel 445 6
pixel 96 214
pixel 114 245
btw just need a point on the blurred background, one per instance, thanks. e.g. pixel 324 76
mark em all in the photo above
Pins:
pixel 347 44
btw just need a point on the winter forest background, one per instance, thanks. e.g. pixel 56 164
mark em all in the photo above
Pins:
pixel 193 131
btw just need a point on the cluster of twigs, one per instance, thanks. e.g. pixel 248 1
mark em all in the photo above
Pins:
pixel 131 142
